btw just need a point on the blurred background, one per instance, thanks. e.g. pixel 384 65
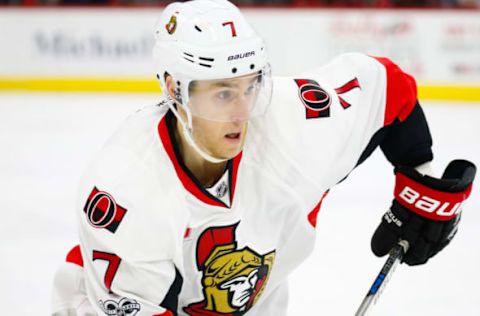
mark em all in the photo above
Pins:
pixel 72 70
pixel 105 45
pixel 266 3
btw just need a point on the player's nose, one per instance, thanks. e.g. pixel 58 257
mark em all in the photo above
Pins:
pixel 241 111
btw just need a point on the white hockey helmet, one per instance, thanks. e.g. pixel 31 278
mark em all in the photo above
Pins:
pixel 203 40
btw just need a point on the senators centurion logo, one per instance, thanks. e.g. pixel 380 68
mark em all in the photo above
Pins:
pixel 232 279
pixel 102 211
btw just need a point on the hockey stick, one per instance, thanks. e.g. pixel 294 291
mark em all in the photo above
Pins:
pixel 394 258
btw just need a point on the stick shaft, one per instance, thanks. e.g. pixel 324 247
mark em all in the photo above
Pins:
pixel 394 258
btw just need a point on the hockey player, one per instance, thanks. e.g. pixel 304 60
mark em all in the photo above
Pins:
pixel 204 204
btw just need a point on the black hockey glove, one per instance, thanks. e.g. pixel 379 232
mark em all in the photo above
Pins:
pixel 425 211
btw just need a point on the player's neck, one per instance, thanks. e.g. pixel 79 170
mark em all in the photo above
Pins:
pixel 206 172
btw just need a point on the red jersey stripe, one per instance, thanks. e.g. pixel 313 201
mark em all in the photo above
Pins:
pixel 401 92
pixel 75 256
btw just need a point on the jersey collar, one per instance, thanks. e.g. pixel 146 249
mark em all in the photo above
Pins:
pixel 191 184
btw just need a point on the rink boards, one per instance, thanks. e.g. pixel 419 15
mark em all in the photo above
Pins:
pixel 82 49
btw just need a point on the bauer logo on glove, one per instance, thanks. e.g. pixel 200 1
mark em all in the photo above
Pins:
pixel 427 202
pixel 425 211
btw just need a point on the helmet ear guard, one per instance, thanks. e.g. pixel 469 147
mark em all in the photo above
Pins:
pixel 178 95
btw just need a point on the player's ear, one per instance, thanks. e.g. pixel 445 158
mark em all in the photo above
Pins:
pixel 170 85
pixel 173 90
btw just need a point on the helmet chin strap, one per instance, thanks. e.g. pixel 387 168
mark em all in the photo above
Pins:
pixel 187 132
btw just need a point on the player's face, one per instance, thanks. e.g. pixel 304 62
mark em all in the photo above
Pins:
pixel 229 100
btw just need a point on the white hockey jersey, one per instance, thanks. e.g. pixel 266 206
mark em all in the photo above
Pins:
pixel 154 242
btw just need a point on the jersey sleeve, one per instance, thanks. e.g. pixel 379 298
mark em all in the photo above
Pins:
pixel 400 90
pixel 130 238
pixel 405 137
pixel 324 120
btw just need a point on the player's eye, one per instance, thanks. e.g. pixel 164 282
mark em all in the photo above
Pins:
pixel 225 95
pixel 252 89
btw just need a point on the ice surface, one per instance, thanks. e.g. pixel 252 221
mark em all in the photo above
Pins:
pixel 46 140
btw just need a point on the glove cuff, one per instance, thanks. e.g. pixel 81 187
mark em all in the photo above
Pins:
pixel 427 201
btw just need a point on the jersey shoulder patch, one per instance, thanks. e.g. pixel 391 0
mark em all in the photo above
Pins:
pixel 102 211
